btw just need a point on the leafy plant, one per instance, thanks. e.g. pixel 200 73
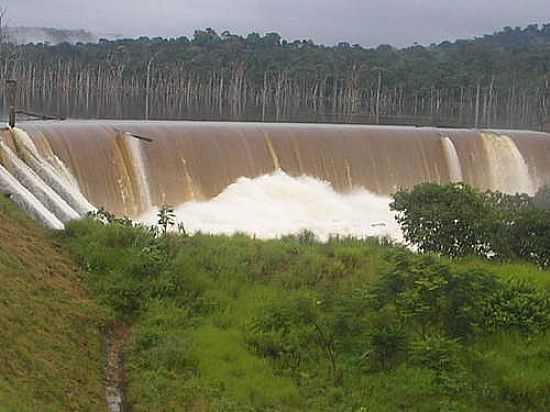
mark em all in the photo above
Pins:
pixel 517 306
pixel 449 219
pixel 456 220
pixel 386 344
pixel 442 355
pixel 166 218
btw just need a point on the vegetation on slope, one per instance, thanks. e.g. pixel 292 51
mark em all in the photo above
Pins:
pixel 50 345
pixel 236 324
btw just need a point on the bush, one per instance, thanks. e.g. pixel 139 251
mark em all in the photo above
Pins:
pixel 456 220
pixel 442 355
pixel 530 239
pixel 516 306
pixel 285 331
pixel 387 343
pixel 450 219
pixel 431 297
pixel 542 197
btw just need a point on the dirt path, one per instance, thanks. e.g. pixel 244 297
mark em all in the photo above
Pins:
pixel 115 373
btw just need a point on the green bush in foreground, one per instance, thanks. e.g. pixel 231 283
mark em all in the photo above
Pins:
pixel 235 324
pixel 456 220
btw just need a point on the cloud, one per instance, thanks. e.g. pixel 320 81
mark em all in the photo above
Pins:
pixel 368 22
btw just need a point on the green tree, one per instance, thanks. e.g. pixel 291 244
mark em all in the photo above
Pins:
pixel 456 220
pixel 450 220
pixel 431 298
pixel 530 236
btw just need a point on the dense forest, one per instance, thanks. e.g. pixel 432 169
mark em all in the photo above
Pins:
pixel 499 80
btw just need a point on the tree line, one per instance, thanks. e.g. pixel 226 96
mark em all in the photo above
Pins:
pixel 499 80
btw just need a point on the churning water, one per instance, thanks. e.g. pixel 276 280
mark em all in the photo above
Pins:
pixel 274 205
pixel 267 180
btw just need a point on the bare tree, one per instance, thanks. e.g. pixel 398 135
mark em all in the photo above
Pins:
pixel 3 32
pixel 9 52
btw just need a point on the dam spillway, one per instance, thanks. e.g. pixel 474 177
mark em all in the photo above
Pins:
pixel 114 168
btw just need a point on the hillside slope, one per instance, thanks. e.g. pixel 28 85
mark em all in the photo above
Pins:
pixel 51 356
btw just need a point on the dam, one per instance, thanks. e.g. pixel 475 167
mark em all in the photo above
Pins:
pixel 130 167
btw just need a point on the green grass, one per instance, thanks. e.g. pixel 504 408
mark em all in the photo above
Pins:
pixel 511 271
pixel 229 323
pixel 50 345
pixel 234 324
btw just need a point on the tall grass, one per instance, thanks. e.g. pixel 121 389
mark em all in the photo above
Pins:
pixel 236 324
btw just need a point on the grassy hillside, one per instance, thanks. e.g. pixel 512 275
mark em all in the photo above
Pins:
pixel 50 345
pixel 236 324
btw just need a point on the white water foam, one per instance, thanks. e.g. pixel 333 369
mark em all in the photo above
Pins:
pixel 136 152
pixel 508 171
pixel 65 188
pixel 26 200
pixel 34 184
pixel 455 169
pixel 275 205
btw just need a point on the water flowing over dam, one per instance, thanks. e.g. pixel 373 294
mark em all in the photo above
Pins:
pixel 110 164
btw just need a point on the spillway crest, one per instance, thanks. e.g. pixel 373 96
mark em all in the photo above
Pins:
pixel 132 167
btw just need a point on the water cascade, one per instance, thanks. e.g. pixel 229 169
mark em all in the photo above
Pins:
pixel 135 147
pixel 58 178
pixel 508 172
pixel 205 168
pixel 34 184
pixel 455 170
pixel 26 201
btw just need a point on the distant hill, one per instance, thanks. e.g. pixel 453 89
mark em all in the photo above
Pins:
pixel 49 35
pixel 533 35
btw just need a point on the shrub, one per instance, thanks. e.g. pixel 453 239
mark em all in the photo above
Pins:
pixel 386 344
pixel 431 297
pixel 166 218
pixel 450 220
pixel 442 355
pixel 516 306
pixel 542 197
pixel 456 220
pixel 531 236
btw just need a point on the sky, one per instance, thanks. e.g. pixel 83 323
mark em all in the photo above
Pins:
pixel 367 22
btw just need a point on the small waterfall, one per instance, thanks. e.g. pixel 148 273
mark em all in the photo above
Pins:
pixel 51 158
pixel 48 173
pixel 508 172
pixel 455 169
pixel 32 182
pixel 26 200
pixel 135 148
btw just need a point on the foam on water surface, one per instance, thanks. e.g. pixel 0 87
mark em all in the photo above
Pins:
pixel 64 187
pixel 34 184
pixel 24 199
pixel 275 205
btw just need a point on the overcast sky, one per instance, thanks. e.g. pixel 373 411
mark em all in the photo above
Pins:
pixel 368 22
